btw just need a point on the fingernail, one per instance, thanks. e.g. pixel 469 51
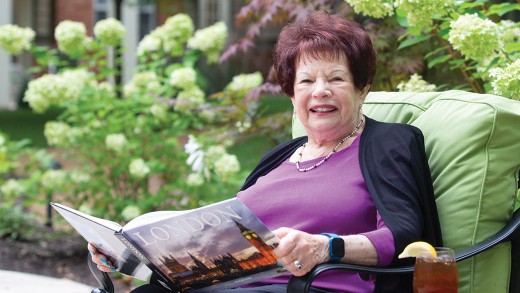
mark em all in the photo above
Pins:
pixel 105 262
pixel 91 252
pixel 113 269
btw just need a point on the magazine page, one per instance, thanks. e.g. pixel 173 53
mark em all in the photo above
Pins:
pixel 218 246
pixel 101 233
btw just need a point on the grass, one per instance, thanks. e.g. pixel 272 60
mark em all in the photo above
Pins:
pixel 24 123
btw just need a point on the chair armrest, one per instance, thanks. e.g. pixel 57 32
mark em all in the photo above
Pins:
pixel 303 283
pixel 103 279
pixel 508 233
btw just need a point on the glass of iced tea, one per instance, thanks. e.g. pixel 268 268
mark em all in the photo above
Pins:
pixel 436 274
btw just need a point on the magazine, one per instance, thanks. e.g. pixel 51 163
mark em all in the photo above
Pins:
pixel 222 245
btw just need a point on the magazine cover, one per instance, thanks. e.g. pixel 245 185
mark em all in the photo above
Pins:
pixel 222 245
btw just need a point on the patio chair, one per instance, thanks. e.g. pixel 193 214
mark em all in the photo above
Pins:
pixel 473 145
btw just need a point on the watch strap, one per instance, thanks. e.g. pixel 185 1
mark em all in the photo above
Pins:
pixel 336 247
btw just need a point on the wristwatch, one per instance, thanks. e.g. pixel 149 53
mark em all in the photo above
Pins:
pixel 336 247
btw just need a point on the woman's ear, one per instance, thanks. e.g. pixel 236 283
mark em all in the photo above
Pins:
pixel 364 92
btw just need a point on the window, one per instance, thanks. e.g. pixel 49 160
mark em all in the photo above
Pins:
pixel 146 19
pixel 100 10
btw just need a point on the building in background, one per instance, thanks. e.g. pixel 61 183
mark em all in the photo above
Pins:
pixel 138 16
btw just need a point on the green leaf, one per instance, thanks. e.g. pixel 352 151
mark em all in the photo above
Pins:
pixel 438 60
pixel 467 5
pixel 512 47
pixel 191 57
pixel 470 7
pixel 503 8
pixel 401 18
pixel 438 50
pixel 457 63
pixel 412 41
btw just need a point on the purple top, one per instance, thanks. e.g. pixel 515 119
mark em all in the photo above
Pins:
pixel 286 197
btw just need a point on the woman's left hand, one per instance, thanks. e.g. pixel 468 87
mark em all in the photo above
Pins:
pixel 299 251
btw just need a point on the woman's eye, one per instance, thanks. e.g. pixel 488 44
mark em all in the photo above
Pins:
pixel 337 78
pixel 305 81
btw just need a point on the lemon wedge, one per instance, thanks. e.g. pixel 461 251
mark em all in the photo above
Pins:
pixel 415 249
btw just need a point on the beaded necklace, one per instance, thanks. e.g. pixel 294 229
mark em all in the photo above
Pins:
pixel 329 155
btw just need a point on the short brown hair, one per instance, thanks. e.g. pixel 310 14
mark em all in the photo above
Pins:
pixel 323 33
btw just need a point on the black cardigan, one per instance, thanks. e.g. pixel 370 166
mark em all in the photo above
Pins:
pixel 395 168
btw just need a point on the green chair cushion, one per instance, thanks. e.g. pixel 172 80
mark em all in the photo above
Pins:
pixel 473 147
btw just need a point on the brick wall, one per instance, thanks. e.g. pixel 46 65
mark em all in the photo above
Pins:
pixel 76 10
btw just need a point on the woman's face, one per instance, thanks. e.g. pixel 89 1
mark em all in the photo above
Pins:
pixel 325 98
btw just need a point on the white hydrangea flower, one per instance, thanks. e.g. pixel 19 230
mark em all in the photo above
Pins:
pixel 227 165
pixel 138 168
pixel 159 110
pixel 416 84
pixel 245 82
pixel 195 179
pixel 115 141
pixel 70 36
pixel 72 83
pixel 143 82
pixel 474 37
pixel 214 153
pixel 421 12
pixel 57 133
pixel 189 99
pixel 170 37
pixel 183 78
pixel 373 8
pixel 150 43
pixel 130 212
pixel 42 92
pixel 179 26
pixel 175 32
pixel 506 81
pixel 510 31
pixel 12 187
pixel 195 154
pixel 53 180
pixel 210 41
pixel 55 89
pixel 14 39
pixel 110 31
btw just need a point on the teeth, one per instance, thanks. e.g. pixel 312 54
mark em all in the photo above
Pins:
pixel 322 109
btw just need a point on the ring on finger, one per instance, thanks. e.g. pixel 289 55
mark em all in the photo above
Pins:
pixel 298 264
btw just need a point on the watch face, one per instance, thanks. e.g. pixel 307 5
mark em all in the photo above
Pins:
pixel 337 247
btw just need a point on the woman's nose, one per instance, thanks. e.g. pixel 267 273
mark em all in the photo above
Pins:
pixel 321 90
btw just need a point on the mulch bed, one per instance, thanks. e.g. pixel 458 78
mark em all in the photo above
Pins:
pixel 62 257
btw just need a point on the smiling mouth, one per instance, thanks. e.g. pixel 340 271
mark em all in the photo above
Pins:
pixel 322 110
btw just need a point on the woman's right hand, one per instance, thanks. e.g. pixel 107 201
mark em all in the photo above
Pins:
pixel 102 261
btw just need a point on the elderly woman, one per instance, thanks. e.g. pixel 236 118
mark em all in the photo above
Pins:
pixel 353 190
